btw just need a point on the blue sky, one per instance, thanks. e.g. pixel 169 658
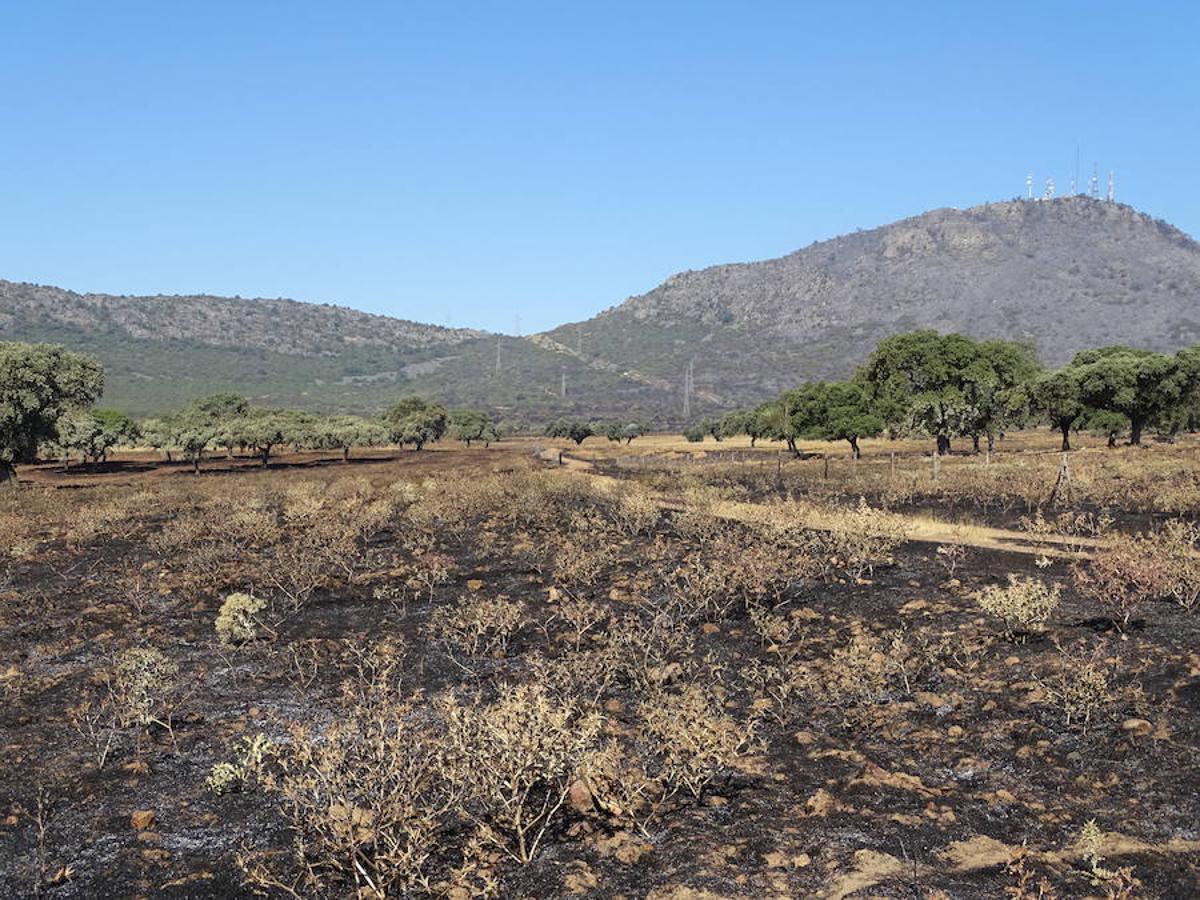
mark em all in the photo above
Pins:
pixel 466 163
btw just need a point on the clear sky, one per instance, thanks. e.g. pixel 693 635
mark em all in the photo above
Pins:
pixel 468 162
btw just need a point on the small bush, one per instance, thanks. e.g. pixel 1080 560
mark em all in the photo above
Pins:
pixel 1080 688
pixel 1024 604
pixel 238 622
pixel 477 626
pixel 516 760
pixel 142 685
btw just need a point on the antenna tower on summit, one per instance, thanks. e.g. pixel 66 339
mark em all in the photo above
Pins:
pixel 1029 186
pixel 1111 190
pixel 1094 183
pixel 1049 195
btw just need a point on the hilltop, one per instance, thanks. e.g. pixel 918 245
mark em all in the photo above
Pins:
pixel 1063 274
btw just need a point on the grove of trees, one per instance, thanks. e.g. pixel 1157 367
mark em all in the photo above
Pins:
pixel 949 386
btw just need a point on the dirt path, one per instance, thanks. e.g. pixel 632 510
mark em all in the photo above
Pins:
pixel 918 528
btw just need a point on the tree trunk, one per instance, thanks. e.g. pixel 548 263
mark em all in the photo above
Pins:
pixel 1066 433
pixel 1112 439
pixel 975 443
pixel 943 445
pixel 855 453
pixel 265 453
pixel 168 453
pixel 196 465
pixel 791 442
pixel 8 472
pixel 753 438
pixel 991 442
pixel 1135 431
pixel 345 454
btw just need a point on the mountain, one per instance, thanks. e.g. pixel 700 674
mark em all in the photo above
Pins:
pixel 1065 274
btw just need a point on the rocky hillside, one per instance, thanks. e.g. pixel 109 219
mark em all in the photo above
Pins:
pixel 1065 274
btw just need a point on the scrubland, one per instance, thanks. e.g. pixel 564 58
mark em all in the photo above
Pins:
pixel 655 671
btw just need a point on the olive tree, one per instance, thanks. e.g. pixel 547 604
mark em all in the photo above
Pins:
pixel 39 383
pixel 1141 385
pixel 346 432
pixel 570 428
pixel 469 425
pixel 1058 397
pixel 417 421
pixel 944 385
pixel 834 411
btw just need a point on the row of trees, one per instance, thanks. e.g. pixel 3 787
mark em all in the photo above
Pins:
pixel 579 431
pixel 950 386
pixel 47 394
pixel 229 421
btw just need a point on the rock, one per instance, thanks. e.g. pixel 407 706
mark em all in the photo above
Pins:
pixel 801 861
pixel 710 628
pixel 579 796
pixel 1137 726
pixel 955 731
pixel 930 698
pixel 553 594
pixel 775 860
pixel 474 584
pixel 142 819
pixel 821 803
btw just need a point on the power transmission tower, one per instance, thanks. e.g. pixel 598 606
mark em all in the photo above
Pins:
pixel 689 377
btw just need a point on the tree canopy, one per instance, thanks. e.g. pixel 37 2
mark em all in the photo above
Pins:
pixel 39 383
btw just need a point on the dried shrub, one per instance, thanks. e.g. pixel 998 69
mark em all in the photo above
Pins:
pixel 1080 687
pixel 142 687
pixel 635 511
pixel 1024 604
pixel 583 616
pixel 852 541
pixel 579 562
pixel 858 674
pixel 678 746
pixel 477 626
pixel 238 620
pixel 368 802
pixel 228 776
pixel 1162 565
pixel 732 573
pixel 695 740
pixel 516 759
pixel 649 651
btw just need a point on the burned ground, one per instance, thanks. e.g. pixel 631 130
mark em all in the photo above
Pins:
pixel 708 707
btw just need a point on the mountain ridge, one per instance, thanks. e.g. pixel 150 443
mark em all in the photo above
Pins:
pixel 1064 274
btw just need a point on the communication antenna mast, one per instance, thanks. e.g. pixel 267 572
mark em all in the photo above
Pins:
pixel 1094 184
pixel 1111 190
pixel 1049 195
pixel 1029 186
